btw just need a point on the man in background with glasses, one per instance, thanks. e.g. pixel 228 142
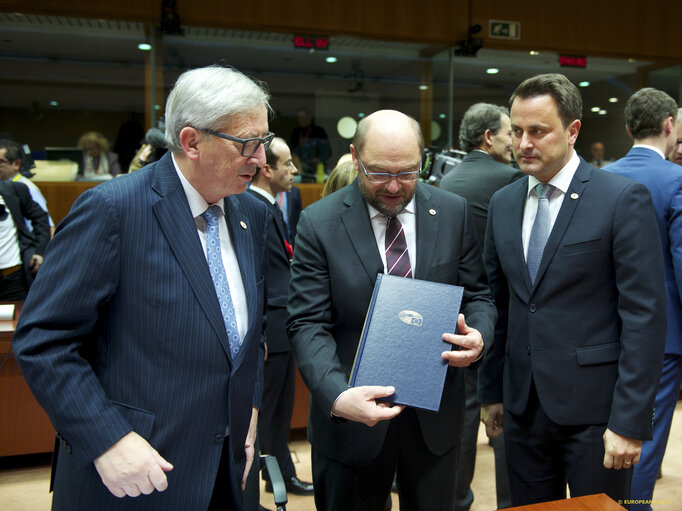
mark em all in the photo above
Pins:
pixel 24 228
pixel 143 339
pixel 344 241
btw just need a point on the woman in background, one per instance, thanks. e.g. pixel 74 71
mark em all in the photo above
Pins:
pixel 98 161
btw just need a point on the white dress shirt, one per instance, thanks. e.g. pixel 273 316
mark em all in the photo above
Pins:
pixel 197 204
pixel 561 181
pixel 408 219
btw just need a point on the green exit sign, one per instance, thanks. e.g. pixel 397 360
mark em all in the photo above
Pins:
pixel 504 29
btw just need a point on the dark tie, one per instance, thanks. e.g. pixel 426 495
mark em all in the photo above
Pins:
pixel 397 257
pixel 540 230
pixel 287 245
pixel 222 287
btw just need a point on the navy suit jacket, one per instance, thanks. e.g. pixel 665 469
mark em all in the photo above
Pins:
pixel 664 181
pixel 336 261
pixel 122 331
pixel 591 332
pixel 276 278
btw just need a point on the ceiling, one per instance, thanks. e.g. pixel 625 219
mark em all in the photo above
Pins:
pixel 95 65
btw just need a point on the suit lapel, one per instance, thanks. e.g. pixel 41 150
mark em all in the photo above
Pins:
pixel 513 216
pixel 355 219
pixel 177 224
pixel 238 224
pixel 427 231
pixel 568 206
pixel 277 215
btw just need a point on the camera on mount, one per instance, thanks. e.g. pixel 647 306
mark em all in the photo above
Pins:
pixel 438 161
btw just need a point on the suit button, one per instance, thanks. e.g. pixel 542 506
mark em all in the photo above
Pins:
pixel 532 307
pixel 528 349
pixel 218 439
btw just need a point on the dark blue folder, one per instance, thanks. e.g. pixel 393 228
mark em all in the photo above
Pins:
pixel 401 341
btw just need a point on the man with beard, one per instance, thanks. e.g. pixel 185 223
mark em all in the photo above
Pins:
pixel 344 241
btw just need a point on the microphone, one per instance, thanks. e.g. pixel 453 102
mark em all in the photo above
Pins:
pixel 155 138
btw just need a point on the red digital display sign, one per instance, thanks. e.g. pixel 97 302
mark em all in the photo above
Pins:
pixel 308 42
pixel 572 61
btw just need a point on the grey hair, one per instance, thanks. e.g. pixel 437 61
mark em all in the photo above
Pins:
pixel 205 97
pixel 477 119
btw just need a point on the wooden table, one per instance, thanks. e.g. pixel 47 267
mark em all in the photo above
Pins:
pixel 24 427
pixel 599 502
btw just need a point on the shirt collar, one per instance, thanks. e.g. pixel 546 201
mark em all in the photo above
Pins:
pixel 373 212
pixel 562 179
pixel 262 192
pixel 655 149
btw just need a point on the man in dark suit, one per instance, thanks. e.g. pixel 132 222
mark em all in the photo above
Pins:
pixel 274 422
pixel 357 441
pixel 21 250
pixel 485 135
pixel 142 336
pixel 575 267
pixel 290 204
pixel 650 116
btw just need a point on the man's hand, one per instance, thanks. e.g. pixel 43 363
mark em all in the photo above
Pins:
pixel 250 445
pixel 36 263
pixel 620 451
pixel 492 415
pixel 131 466
pixel 359 404
pixel 470 345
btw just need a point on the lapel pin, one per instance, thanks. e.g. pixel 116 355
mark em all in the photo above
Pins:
pixel 574 196
pixel 432 212
pixel 243 224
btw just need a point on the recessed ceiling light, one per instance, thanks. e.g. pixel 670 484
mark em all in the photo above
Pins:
pixel 157 107
pixel 442 116
pixel 492 70
pixel 331 60
pixel 602 112
pixel 54 103
pixel 423 87
pixel 595 109
pixel 361 115
pixel 584 84
pixel 144 46
pixel 533 52
pixel 613 100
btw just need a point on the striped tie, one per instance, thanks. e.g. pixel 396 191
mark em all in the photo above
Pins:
pixel 397 257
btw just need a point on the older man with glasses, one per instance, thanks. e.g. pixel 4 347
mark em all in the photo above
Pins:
pixel 143 334
pixel 384 222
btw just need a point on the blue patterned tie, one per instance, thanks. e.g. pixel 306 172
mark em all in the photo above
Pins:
pixel 540 230
pixel 222 287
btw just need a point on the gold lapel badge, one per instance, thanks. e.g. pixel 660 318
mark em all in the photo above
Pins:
pixel 243 224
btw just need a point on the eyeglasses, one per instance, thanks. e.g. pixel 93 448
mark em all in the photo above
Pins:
pixel 383 177
pixel 249 145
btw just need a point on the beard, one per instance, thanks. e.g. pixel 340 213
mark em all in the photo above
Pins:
pixel 374 200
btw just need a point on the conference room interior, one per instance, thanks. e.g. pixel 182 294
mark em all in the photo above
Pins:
pixel 65 75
